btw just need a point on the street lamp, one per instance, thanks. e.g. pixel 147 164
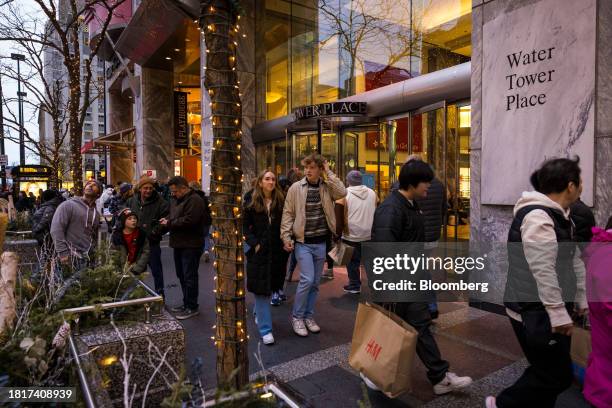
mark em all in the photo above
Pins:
pixel 20 95
pixel 2 167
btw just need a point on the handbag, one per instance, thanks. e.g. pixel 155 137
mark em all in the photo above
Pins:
pixel 341 254
pixel 383 349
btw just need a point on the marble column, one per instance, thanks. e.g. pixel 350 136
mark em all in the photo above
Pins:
pixel 246 69
pixel 490 223
pixel 154 123
pixel 120 118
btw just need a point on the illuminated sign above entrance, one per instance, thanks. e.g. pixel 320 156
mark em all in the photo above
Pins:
pixel 331 109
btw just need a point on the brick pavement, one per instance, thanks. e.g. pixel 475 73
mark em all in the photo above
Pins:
pixel 475 342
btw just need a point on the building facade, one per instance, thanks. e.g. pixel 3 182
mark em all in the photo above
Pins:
pixel 94 125
pixel 484 91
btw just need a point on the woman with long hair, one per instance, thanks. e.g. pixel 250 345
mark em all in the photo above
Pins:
pixel 266 257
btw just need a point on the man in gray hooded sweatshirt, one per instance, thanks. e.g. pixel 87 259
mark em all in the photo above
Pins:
pixel 354 217
pixel 75 225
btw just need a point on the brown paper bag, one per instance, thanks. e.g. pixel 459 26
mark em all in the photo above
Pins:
pixel 341 254
pixel 581 346
pixel 383 349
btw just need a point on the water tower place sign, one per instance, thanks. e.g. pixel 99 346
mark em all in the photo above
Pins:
pixel 538 92
pixel 331 109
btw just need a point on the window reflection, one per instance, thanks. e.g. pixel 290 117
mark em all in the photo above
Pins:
pixel 322 50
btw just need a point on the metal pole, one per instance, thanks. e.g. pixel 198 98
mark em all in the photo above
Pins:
pixel 87 394
pixel 2 168
pixel 319 136
pixel 106 169
pixel 20 102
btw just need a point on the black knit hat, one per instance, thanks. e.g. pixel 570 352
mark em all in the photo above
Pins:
pixel 124 215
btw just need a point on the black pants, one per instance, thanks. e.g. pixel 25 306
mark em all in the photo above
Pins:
pixel 418 316
pixel 155 264
pixel 549 373
pixel 187 262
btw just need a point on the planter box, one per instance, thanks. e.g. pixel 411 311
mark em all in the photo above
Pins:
pixel 101 349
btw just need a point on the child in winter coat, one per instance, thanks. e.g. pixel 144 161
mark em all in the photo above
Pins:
pixel 131 243
pixel 598 260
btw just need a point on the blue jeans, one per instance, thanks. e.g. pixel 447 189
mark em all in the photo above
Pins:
pixel 187 263
pixel 207 238
pixel 155 264
pixel 310 258
pixel 264 316
pixel 352 269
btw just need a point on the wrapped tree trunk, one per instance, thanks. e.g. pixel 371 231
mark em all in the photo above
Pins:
pixel 218 22
pixel 8 270
pixel 8 276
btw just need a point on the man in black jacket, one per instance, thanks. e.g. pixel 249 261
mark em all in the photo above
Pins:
pixel 41 221
pixel 399 219
pixel 186 223
pixel 583 220
pixel 150 207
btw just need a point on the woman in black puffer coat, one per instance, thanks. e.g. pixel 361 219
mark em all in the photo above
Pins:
pixel 267 260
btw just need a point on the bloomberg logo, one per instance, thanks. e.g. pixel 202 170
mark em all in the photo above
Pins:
pixel 331 109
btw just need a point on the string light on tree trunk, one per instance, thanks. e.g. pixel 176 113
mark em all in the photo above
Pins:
pixel 219 27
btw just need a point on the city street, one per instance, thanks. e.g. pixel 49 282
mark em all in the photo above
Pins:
pixel 475 342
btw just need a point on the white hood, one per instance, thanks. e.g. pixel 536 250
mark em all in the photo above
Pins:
pixel 536 198
pixel 360 192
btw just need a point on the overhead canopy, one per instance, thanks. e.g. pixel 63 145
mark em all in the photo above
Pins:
pixel 450 84
pixel 121 140
pixel 152 24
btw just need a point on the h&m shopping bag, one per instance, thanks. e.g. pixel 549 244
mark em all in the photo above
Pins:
pixel 383 349
pixel 341 254
pixel 580 351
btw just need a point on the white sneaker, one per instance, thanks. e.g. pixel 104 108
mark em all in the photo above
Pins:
pixel 312 326
pixel 368 382
pixel 451 383
pixel 490 402
pixel 268 339
pixel 298 327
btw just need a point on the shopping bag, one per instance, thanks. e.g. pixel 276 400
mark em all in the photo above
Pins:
pixel 383 349
pixel 580 351
pixel 341 254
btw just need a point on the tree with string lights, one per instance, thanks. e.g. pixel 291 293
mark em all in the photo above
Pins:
pixel 66 21
pixel 219 24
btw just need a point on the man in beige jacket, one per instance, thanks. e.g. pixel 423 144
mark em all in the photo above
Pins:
pixel 308 221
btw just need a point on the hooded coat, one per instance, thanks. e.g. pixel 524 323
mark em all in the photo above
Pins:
pixel 266 266
pixel 359 207
pixel 539 267
pixel 41 221
pixel 598 378
pixel 74 227
pixel 149 213
pixel 142 250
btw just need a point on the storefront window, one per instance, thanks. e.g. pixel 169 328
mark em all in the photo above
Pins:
pixel 320 50
pixel 275 156
pixel 190 160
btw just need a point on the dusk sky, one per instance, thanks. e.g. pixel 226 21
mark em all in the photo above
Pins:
pixel 9 87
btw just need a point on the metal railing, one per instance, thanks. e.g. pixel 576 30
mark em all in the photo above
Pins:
pixel 154 298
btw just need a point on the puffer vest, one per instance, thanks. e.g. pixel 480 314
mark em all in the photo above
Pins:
pixel 521 284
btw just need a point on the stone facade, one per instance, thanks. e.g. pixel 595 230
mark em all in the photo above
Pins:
pixel 102 347
pixel 154 123
pixel 490 223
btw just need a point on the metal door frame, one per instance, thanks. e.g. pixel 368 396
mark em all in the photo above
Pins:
pixel 426 109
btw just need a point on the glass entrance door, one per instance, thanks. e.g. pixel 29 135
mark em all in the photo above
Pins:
pixel 306 143
pixel 440 135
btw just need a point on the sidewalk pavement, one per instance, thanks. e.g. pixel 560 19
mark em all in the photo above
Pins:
pixel 476 343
